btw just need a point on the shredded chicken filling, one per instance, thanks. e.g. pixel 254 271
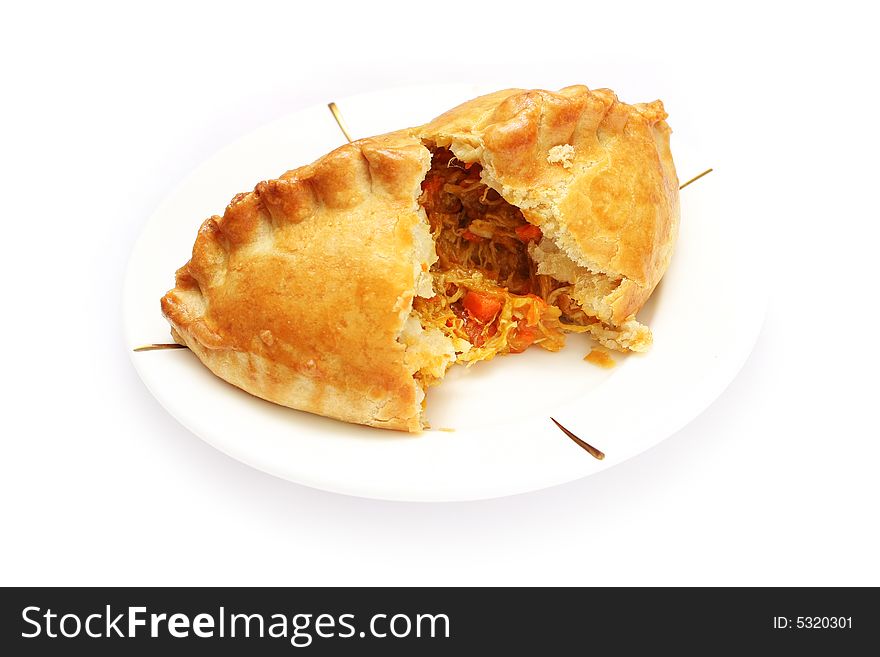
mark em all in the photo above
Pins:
pixel 488 297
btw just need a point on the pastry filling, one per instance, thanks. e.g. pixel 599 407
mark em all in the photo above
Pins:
pixel 488 298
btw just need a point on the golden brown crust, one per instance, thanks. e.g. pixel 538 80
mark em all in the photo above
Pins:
pixel 298 293
pixel 595 174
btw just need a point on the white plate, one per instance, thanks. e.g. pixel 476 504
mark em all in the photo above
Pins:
pixel 705 316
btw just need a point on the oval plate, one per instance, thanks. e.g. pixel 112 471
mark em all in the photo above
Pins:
pixel 492 434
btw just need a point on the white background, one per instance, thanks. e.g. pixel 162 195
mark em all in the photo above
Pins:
pixel 107 108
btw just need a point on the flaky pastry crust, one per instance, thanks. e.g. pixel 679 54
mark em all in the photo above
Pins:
pixel 299 293
pixel 595 174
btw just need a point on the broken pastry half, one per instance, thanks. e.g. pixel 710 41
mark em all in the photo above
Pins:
pixel 348 286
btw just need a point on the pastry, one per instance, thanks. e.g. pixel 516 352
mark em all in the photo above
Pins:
pixel 348 286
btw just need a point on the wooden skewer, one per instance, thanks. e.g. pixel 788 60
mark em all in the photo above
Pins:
pixel 696 178
pixel 156 347
pixel 339 120
pixel 595 453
